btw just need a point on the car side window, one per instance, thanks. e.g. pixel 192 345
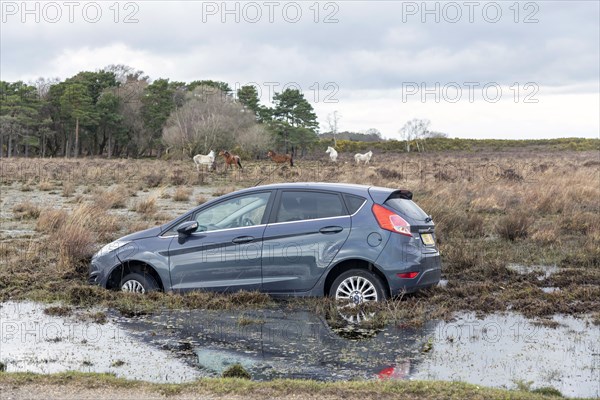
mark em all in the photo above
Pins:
pixel 299 206
pixel 353 202
pixel 246 210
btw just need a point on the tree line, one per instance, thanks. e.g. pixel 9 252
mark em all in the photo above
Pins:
pixel 119 111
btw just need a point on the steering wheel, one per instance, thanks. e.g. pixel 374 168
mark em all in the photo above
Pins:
pixel 247 221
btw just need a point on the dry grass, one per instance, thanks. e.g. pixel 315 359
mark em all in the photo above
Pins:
pixel 490 209
pixel 514 226
pixel 26 210
pixel 223 190
pixel 114 198
pixel 51 219
pixel 146 206
pixel 46 186
pixel 182 193
pixel 68 189
pixel 200 199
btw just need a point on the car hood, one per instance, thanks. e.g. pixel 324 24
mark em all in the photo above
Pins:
pixel 151 232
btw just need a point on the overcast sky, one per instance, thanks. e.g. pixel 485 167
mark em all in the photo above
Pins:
pixel 475 69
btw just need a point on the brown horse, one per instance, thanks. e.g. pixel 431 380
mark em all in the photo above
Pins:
pixel 231 159
pixel 281 158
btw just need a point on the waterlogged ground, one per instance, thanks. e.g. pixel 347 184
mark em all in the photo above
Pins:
pixel 178 346
pixel 32 341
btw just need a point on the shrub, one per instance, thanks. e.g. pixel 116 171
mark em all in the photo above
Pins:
pixel 177 177
pixel 514 226
pixel 115 198
pixel 26 210
pixel 389 174
pixel 146 206
pixel 68 189
pixel 182 194
pixel 153 179
pixel 473 226
pixel 45 186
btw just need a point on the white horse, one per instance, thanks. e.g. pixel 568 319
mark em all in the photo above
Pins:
pixel 208 159
pixel 332 153
pixel 363 157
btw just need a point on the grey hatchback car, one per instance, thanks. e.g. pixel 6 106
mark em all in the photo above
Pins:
pixel 354 242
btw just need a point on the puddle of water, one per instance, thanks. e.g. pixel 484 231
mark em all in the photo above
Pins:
pixel 182 345
pixel 32 341
pixel 500 350
pixel 542 271
pixel 496 351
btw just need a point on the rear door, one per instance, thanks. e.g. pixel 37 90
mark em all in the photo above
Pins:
pixel 305 232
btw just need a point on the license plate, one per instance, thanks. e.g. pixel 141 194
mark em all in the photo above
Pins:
pixel 427 239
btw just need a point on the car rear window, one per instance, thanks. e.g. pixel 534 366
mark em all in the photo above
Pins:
pixel 353 203
pixel 298 206
pixel 406 207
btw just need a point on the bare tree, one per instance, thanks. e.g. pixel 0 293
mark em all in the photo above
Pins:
pixel 130 95
pixel 414 131
pixel 332 122
pixel 209 120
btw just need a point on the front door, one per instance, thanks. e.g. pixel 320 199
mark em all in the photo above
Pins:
pixel 225 253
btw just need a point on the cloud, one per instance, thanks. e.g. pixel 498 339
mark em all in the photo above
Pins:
pixel 372 51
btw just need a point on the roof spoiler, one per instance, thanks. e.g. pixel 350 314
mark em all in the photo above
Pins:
pixel 401 194
pixel 381 195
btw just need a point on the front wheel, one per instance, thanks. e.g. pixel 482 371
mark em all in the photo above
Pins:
pixel 138 283
pixel 357 286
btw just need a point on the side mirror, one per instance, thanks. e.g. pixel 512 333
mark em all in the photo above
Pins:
pixel 185 229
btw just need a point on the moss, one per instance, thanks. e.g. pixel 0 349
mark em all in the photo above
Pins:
pixel 236 371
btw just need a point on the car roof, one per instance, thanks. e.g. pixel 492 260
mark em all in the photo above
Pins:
pixel 338 187
pixel 362 190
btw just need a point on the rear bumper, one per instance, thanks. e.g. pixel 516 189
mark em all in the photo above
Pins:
pixel 430 273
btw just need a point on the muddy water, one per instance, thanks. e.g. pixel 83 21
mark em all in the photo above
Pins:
pixel 178 346
pixel 498 350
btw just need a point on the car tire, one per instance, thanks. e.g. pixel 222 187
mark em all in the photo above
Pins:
pixel 357 285
pixel 138 283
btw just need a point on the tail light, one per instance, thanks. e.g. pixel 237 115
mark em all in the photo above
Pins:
pixel 391 221
pixel 407 275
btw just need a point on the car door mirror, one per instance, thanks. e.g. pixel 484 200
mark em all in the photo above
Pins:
pixel 185 229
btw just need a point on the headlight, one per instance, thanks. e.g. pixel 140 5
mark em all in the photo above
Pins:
pixel 112 246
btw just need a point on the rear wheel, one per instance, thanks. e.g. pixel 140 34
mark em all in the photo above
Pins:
pixel 357 286
pixel 138 283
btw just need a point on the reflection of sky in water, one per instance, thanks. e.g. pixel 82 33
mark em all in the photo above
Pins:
pixel 495 351
pixel 500 350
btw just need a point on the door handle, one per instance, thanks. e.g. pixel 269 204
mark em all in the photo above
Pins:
pixel 242 239
pixel 331 229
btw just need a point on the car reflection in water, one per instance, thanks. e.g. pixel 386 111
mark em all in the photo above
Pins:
pixel 284 343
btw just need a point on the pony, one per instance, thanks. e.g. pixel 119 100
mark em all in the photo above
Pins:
pixel 231 159
pixel 332 153
pixel 208 159
pixel 281 158
pixel 363 157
